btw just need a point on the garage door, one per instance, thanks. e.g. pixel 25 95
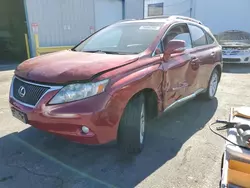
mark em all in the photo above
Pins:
pixel 107 12
pixel 12 30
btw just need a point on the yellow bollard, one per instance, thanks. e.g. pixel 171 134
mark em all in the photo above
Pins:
pixel 27 45
pixel 37 44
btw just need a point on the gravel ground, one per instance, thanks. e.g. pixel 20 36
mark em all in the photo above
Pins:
pixel 180 150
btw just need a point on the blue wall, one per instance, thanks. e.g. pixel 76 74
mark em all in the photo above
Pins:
pixel 222 15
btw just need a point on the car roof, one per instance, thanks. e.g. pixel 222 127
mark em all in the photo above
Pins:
pixel 168 20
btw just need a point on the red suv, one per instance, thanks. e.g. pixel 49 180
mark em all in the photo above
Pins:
pixel 111 84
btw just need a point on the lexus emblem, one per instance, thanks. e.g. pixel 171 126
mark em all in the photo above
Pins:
pixel 22 91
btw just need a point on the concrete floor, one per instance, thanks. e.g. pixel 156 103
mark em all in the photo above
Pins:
pixel 180 150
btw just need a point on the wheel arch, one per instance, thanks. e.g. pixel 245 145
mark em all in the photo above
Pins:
pixel 219 69
pixel 151 101
pixel 122 90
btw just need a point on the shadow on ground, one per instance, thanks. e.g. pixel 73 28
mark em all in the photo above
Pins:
pixel 236 68
pixel 42 153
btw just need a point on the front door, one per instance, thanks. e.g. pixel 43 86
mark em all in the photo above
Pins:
pixel 175 84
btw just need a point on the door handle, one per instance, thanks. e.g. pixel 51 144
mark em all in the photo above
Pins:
pixel 194 60
pixel 195 63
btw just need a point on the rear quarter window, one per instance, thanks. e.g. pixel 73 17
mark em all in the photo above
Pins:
pixel 198 36
pixel 210 39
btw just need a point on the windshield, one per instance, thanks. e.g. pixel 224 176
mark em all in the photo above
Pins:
pixel 122 38
pixel 234 38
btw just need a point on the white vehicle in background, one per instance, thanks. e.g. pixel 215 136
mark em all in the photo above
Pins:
pixel 235 46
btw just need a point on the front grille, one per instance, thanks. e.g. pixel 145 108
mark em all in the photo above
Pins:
pixel 31 92
pixel 234 52
pixel 233 60
pixel 224 53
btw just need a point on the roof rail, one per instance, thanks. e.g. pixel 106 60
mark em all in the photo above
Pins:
pixel 175 17
pixel 185 18
pixel 155 17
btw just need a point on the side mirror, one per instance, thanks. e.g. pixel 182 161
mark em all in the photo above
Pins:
pixel 174 47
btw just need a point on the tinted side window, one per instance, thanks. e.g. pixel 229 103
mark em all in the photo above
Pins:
pixel 198 36
pixel 179 32
pixel 159 49
pixel 210 40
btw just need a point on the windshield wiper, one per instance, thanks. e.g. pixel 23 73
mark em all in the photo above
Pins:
pixel 94 51
pixel 120 53
pixel 109 52
pixel 103 51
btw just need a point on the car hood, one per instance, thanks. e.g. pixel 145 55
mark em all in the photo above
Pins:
pixel 234 44
pixel 68 66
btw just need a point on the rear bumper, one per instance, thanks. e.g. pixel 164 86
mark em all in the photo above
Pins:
pixel 97 113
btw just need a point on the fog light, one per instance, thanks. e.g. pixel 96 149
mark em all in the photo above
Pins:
pixel 247 58
pixel 85 129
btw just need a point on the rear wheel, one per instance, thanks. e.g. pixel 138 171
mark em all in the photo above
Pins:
pixel 212 85
pixel 131 133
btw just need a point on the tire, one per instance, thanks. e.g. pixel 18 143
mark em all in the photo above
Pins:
pixel 212 86
pixel 131 133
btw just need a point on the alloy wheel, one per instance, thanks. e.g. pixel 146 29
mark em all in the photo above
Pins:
pixel 213 84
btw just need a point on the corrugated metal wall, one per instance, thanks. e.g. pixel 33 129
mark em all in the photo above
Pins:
pixel 107 12
pixel 67 22
pixel 134 9
pixel 60 22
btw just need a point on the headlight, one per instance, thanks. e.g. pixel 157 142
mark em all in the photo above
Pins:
pixel 247 50
pixel 74 92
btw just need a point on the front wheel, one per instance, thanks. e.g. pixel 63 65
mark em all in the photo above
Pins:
pixel 212 85
pixel 131 133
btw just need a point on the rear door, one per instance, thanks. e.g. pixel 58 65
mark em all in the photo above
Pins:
pixel 202 56
pixel 215 54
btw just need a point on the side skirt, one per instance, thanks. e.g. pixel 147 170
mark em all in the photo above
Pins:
pixel 183 100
